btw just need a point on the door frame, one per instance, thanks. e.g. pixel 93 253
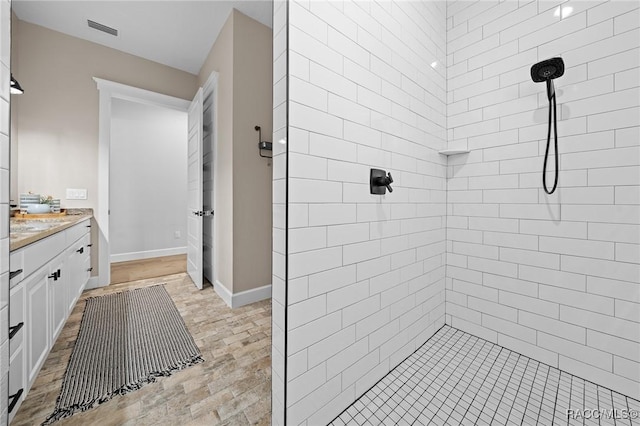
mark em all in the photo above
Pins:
pixel 109 90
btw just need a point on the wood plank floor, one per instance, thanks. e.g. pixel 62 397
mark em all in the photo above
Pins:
pixel 231 387
pixel 133 270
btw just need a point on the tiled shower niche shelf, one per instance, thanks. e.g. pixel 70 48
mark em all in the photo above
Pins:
pixel 453 151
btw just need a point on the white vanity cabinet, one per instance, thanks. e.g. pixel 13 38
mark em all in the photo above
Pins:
pixel 47 278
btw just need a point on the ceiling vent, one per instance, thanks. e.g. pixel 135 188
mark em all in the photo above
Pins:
pixel 98 26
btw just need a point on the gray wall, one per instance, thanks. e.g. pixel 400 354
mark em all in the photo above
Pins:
pixel 55 126
pixel 243 59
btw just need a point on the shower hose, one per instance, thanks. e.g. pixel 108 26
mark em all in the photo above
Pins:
pixel 552 100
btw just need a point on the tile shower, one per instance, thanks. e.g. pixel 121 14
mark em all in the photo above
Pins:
pixel 469 242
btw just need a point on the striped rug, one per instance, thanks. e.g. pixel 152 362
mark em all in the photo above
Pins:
pixel 125 341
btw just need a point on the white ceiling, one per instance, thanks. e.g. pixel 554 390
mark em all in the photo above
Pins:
pixel 175 33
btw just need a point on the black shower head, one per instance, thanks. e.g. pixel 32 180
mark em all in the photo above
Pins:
pixel 547 70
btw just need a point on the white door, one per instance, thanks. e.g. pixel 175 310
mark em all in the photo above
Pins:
pixel 194 188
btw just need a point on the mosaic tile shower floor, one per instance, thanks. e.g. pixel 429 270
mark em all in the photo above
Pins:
pixel 456 378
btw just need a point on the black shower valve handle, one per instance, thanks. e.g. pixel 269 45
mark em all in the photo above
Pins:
pixel 389 182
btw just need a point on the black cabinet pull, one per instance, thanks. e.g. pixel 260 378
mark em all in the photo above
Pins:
pixel 59 273
pixel 89 245
pixel 13 399
pixel 90 269
pixel 54 276
pixel 13 274
pixel 88 226
pixel 80 250
pixel 13 330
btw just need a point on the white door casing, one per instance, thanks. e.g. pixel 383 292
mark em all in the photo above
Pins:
pixel 109 90
pixel 194 189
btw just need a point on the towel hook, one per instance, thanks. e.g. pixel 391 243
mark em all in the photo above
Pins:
pixel 263 145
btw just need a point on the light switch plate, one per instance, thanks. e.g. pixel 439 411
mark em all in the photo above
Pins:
pixel 76 193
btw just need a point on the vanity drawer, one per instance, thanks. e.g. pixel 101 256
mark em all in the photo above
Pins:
pixel 39 253
pixel 78 231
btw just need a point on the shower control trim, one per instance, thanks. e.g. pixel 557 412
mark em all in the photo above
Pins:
pixel 379 182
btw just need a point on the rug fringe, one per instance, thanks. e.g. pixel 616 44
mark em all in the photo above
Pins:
pixel 61 413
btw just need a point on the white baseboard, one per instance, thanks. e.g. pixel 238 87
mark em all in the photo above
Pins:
pixel 235 300
pixel 250 296
pixel 148 254
pixel 223 292
pixel 93 282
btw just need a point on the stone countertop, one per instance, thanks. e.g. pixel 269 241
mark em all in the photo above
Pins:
pixel 23 232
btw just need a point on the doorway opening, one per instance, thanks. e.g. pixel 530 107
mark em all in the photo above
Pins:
pixel 148 174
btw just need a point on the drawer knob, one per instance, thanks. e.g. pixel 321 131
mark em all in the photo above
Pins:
pixel 13 330
pixel 80 250
pixel 90 269
pixel 13 274
pixel 13 399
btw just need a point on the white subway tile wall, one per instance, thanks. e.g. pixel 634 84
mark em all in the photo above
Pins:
pixel 366 272
pixel 555 277
pixel 278 299
pixel 5 101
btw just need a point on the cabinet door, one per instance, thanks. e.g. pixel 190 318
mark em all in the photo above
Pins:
pixel 72 269
pixel 37 321
pixel 17 385
pixel 85 264
pixel 16 317
pixel 77 268
pixel 58 297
